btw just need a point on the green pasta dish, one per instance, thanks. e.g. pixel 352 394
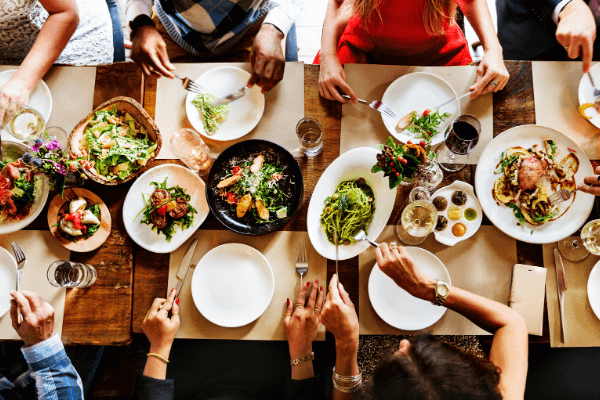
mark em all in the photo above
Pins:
pixel 348 211
pixel 212 117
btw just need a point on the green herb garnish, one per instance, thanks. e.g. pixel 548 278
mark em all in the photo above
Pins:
pixel 425 126
pixel 518 213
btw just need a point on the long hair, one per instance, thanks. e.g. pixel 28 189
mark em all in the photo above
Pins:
pixel 433 370
pixel 437 15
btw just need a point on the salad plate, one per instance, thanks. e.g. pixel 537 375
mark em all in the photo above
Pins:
pixel 232 285
pixel 352 165
pixel 578 208
pixel 593 289
pixel 8 273
pixel 398 308
pixel 243 115
pixel 419 91
pixel 40 98
pixel 140 191
pixel 586 94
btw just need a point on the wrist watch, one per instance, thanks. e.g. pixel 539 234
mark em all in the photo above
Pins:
pixel 139 21
pixel 442 289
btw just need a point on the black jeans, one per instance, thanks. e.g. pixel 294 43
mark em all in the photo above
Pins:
pixel 118 42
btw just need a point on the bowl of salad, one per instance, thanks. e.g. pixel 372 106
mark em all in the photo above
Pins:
pixel 115 142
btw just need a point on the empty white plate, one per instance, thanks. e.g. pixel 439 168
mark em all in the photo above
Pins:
pixel 398 308
pixel 8 274
pixel 233 285
pixel 593 289
pixel 419 91
pixel 40 98
pixel 586 93
pixel 244 114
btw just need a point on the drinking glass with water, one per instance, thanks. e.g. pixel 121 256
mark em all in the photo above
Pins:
pixel 63 273
pixel 191 149
pixel 310 133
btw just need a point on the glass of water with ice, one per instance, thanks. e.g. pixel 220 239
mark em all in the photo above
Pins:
pixel 63 273
pixel 310 134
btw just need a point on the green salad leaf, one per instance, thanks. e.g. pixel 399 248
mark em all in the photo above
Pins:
pixel 212 116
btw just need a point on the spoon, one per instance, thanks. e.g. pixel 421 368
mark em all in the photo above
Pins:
pixel 363 236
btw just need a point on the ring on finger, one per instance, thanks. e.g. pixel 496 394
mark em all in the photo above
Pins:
pixel 299 305
pixel 494 83
pixel 287 313
pixel 393 245
pixel 317 310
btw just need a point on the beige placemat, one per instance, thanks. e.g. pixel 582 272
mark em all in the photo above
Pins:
pixel 41 249
pixel 555 90
pixel 280 249
pixel 481 264
pixel 363 127
pixel 284 107
pixel 582 327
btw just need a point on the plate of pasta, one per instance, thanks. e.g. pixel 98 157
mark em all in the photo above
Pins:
pixel 347 199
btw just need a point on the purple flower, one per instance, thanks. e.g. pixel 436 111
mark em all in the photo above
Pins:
pixel 52 145
pixel 61 168
pixel 36 147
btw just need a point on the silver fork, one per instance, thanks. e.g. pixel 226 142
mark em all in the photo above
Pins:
pixel 363 236
pixel 301 261
pixel 232 97
pixel 191 86
pixel 375 105
pixel 559 197
pixel 21 261
pixel 596 91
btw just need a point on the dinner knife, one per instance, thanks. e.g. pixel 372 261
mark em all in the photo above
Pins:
pixel 335 239
pixel 451 100
pixel 184 266
pixel 561 286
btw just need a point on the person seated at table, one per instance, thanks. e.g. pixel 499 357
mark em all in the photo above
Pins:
pixel 43 371
pixel 38 33
pixel 427 368
pixel 591 183
pixel 205 31
pixel 397 32
pixel 552 30
pixel 232 372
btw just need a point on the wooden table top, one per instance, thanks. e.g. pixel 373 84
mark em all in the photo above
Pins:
pixel 129 277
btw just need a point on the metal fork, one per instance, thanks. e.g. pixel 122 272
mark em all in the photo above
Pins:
pixel 559 197
pixel 376 105
pixel 232 97
pixel 596 91
pixel 191 86
pixel 301 261
pixel 21 261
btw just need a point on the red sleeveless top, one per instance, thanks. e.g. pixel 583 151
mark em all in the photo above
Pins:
pixel 399 37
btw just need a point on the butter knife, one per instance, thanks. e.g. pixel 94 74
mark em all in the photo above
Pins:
pixel 184 266
pixel 561 286
pixel 451 100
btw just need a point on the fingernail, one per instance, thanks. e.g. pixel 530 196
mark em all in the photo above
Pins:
pixel 172 290
pixel 177 301
pixel 316 281
pixel 321 288
pixel 307 284
pixel 289 302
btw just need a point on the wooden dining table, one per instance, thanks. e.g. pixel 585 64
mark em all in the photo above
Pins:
pixel 130 277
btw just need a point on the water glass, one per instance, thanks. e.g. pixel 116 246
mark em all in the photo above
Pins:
pixel 21 121
pixel 310 134
pixel 63 273
pixel 60 135
pixel 453 154
pixel 191 149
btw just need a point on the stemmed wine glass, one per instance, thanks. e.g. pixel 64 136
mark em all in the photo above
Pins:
pixel 418 218
pixel 22 122
pixel 579 248
pixel 453 154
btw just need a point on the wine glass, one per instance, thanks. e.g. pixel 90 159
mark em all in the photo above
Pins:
pixel 418 218
pixel 191 149
pixel 579 248
pixel 453 154
pixel 22 122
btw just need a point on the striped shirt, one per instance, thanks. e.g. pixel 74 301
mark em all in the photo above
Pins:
pixel 209 28
pixel 44 372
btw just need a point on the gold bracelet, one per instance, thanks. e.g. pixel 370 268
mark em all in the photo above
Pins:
pixel 346 379
pixel 299 360
pixel 166 360
pixel 350 389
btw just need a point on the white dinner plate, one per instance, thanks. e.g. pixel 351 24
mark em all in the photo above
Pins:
pixel 8 268
pixel 143 234
pixel 593 289
pixel 244 114
pixel 398 308
pixel 446 236
pixel 352 165
pixel 502 216
pixel 40 98
pixel 233 285
pixel 586 93
pixel 419 91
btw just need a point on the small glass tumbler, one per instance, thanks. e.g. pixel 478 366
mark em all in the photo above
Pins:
pixel 310 134
pixel 63 273
pixel 191 149
pixel 60 135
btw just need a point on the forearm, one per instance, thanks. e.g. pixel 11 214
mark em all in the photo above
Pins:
pixel 304 370
pixel 346 364
pixel 155 367
pixel 478 14
pixel 336 19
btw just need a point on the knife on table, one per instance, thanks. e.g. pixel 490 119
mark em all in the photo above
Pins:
pixel 184 266
pixel 561 286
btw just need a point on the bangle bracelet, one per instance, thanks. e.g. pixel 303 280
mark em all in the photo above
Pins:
pixel 299 360
pixel 166 360
pixel 350 389
pixel 349 379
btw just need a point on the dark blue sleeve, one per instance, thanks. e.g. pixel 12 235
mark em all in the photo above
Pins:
pixel 147 388
pixel 306 389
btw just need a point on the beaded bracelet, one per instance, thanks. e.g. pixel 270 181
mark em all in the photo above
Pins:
pixel 299 360
pixel 158 356
pixel 350 379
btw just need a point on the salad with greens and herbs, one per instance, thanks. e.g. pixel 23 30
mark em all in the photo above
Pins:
pixel 116 144
pixel 212 117
pixel 17 190
pixel 424 126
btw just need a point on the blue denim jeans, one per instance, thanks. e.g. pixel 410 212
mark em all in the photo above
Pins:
pixel 118 43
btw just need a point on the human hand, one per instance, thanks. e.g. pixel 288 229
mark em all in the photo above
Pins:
pixel 491 69
pixel 158 327
pixel 149 51
pixel 266 57
pixel 332 77
pixel 38 317
pixel 591 183
pixel 15 90
pixel 576 31
pixel 302 323
pixel 399 265
pixel 339 317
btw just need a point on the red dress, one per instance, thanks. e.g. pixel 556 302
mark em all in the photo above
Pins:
pixel 399 38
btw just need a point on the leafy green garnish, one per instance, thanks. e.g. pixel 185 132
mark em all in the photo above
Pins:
pixel 212 116
pixel 518 213
pixel 425 126
pixel 26 197
pixel 542 218
pixel 504 162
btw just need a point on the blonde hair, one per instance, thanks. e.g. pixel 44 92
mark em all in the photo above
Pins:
pixel 438 14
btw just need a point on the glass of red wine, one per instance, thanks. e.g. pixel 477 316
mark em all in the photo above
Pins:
pixel 453 154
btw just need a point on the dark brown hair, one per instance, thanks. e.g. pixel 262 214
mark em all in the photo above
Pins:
pixel 434 370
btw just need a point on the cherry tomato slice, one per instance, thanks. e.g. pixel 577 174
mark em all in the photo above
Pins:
pixel 237 170
pixel 426 112
pixel 231 198
pixel 162 210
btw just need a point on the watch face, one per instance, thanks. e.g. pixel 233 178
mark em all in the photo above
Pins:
pixel 442 290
